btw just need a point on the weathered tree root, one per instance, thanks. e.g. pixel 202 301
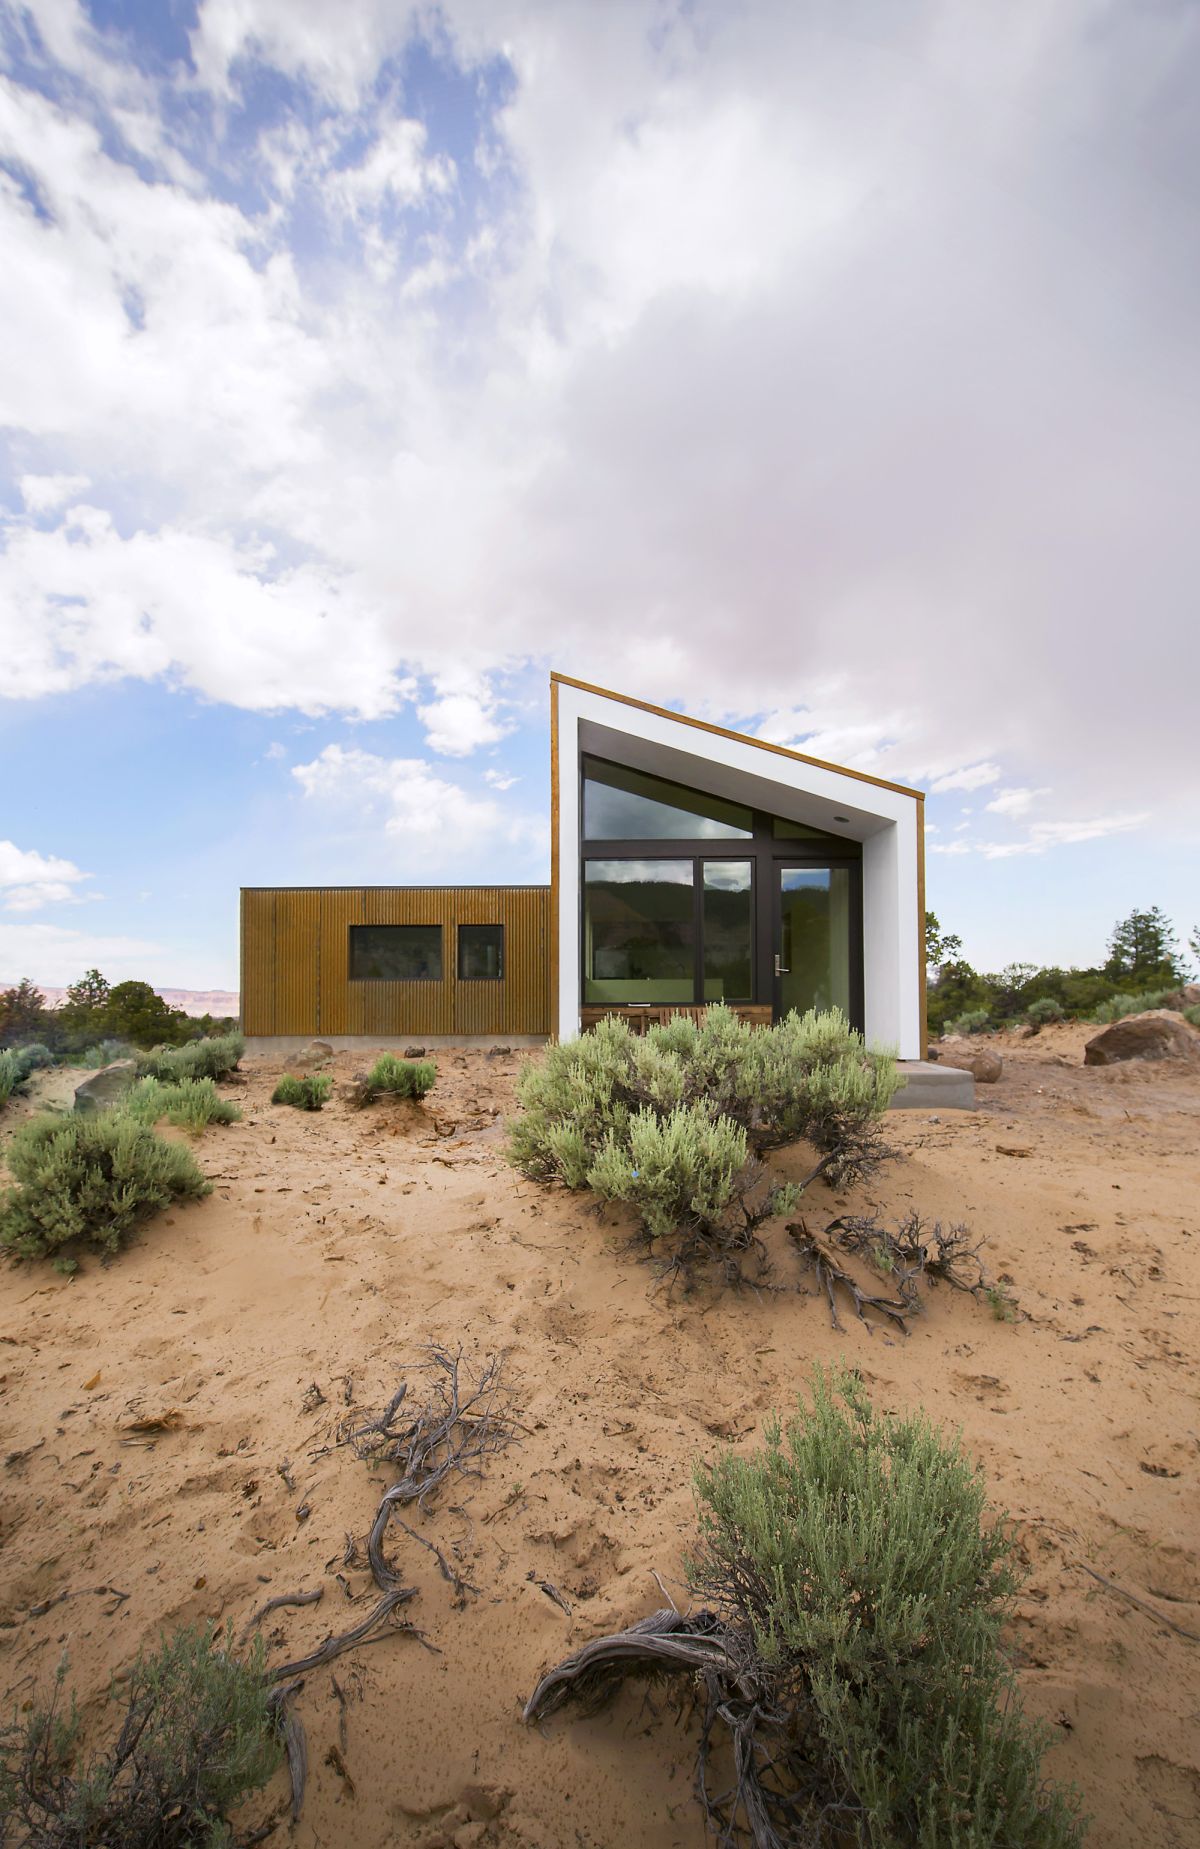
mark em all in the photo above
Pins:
pixel 345 1640
pixel 665 1643
pixel 783 1795
pixel 285 1598
pixel 832 1277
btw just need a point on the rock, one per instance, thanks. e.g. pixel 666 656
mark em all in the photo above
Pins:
pixel 976 1057
pixel 358 1091
pixel 1160 1034
pixel 1186 997
pixel 107 1086
pixel 312 1057
pixel 414 1052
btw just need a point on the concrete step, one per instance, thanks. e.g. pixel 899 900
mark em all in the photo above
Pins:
pixel 934 1088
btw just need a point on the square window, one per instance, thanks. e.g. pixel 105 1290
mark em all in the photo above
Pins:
pixel 481 953
pixel 396 953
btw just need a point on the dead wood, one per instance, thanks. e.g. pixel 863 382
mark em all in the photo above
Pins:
pixel 284 1598
pixel 346 1640
pixel 832 1277
pixel 666 1643
pixel 550 1589
pixel 1142 1604
pixel 83 1592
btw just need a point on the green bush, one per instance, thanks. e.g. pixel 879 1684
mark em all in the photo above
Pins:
pixel 214 1058
pixel 1042 1012
pixel 1120 1006
pixel 1193 1015
pixel 974 1021
pixel 673 1123
pixel 400 1078
pixel 864 1596
pixel 89 1177
pixel 306 1094
pixel 17 1063
pixel 190 1104
pixel 103 1053
pixel 195 1736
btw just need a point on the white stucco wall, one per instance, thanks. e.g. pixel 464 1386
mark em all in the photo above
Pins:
pixel 885 820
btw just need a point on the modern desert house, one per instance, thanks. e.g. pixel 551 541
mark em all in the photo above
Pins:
pixel 689 865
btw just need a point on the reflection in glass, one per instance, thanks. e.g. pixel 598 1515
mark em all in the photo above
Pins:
pixel 814 838
pixel 480 953
pixel 638 934
pixel 814 946
pixel 621 804
pixel 395 953
pixel 728 931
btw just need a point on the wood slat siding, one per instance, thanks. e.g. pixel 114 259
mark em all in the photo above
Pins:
pixel 295 962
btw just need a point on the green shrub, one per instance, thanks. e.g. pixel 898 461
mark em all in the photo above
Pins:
pixel 1193 1015
pixel 673 1123
pixel 1119 1006
pixel 306 1094
pixel 400 1078
pixel 190 1105
pixel 974 1021
pixel 17 1063
pixel 214 1058
pixel 865 1595
pixel 104 1053
pixel 89 1177
pixel 1044 1011
pixel 195 1735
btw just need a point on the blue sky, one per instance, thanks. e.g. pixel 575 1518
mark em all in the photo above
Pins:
pixel 362 364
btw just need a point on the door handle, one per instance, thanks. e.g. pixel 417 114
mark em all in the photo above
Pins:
pixel 780 968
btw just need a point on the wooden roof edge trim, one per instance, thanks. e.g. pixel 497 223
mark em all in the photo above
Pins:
pixel 741 738
pixel 361 886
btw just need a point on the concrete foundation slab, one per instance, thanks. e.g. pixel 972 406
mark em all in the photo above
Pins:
pixel 934 1088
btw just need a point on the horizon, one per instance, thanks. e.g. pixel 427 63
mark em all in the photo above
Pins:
pixel 838 387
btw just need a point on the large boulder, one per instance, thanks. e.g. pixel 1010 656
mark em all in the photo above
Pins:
pixel 1160 1034
pixel 1186 997
pixel 311 1058
pixel 106 1087
pixel 973 1056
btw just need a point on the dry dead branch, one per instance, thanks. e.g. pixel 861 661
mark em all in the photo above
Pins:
pixel 284 1598
pixel 907 1255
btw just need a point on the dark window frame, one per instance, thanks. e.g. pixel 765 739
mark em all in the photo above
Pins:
pixel 766 852
pixel 408 926
pixel 458 950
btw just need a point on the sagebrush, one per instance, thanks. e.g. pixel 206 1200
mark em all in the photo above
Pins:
pixel 1121 1006
pixel 674 1123
pixel 213 1058
pixel 306 1094
pixel 399 1078
pixel 193 1734
pixel 16 1066
pixel 190 1104
pixel 848 1653
pixel 89 1178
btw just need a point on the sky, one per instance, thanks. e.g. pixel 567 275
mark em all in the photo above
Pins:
pixel 827 369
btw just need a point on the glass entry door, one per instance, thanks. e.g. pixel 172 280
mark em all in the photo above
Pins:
pixel 816 940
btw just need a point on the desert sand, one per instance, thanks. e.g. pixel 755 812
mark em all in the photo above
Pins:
pixel 336 1245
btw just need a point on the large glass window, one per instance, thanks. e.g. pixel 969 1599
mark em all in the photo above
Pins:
pixel 396 953
pixel 814 941
pixel 639 931
pixel 480 953
pixel 728 924
pixel 783 830
pixel 621 804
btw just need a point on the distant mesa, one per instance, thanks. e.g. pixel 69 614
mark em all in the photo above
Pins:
pixel 193 1001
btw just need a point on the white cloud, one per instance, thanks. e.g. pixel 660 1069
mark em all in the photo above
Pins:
pixel 499 779
pixel 967 777
pixel 457 723
pixel 29 880
pixel 949 847
pixel 1014 801
pixel 57 956
pixel 42 492
pixel 430 820
pixel 275 751
pixel 705 379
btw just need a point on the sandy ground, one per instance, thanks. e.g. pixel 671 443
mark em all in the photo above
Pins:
pixel 335 1246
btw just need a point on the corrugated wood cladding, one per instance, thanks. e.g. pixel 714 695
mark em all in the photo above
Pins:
pixel 296 961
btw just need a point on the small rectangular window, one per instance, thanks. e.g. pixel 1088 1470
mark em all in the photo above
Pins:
pixel 396 953
pixel 481 953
